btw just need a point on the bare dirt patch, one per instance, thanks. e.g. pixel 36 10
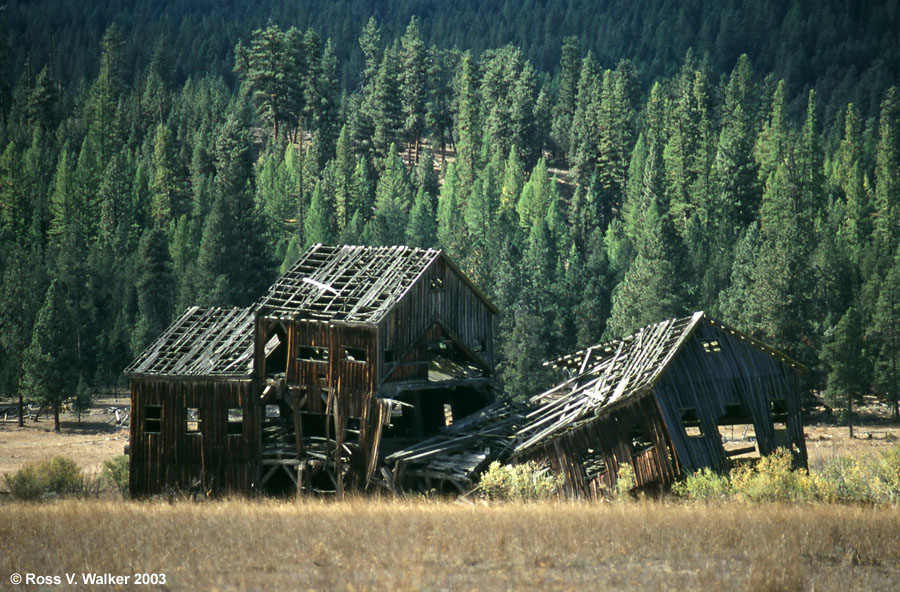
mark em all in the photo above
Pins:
pixel 96 439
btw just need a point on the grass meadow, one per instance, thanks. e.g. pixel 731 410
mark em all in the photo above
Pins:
pixel 436 545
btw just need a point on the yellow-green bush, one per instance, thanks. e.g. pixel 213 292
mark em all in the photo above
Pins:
pixel 58 476
pixel 625 482
pixel 520 482
pixel 116 472
pixel 705 485
pixel 771 478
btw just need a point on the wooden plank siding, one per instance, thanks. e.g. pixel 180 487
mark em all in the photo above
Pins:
pixel 455 305
pixel 609 436
pixel 352 383
pixel 211 460
pixel 710 380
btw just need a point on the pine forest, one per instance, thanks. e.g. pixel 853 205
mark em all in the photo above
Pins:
pixel 592 166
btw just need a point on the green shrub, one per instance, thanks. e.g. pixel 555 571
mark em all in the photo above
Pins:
pixel 58 476
pixel 521 482
pixel 771 478
pixel 705 485
pixel 625 482
pixel 115 471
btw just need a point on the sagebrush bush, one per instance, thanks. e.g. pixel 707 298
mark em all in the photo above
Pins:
pixel 116 471
pixel 520 482
pixel 59 476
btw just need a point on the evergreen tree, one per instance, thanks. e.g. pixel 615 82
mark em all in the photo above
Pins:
pixel 233 263
pixel 157 97
pixel 344 165
pixel 450 225
pixel 319 222
pixel 422 228
pixel 22 281
pixel 387 109
pixel 466 134
pixel 413 90
pixel 168 201
pixel 564 109
pixel 652 288
pixel 844 353
pixel 155 288
pixel 271 75
pixel 884 334
pixel 392 198
pixel 887 172
pixel 50 361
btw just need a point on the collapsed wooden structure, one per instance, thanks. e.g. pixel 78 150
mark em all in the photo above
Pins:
pixel 367 366
pixel 674 397
pixel 353 353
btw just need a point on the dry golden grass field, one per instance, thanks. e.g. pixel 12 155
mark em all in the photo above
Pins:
pixel 408 545
pixel 379 544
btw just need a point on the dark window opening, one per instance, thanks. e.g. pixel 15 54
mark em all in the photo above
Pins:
pixel 355 354
pixel 235 425
pixel 276 351
pixel 311 353
pixel 389 356
pixel 640 440
pixel 152 419
pixel 691 422
pixel 192 421
pixel 778 409
pixel 436 283
pixel 711 346
pixel 594 463
pixel 479 346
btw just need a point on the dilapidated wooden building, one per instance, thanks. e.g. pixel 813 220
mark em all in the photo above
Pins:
pixel 674 397
pixel 351 354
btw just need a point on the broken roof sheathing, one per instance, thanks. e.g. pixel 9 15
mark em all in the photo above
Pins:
pixel 202 342
pixel 613 372
pixel 346 283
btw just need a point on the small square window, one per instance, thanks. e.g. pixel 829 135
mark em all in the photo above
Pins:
pixel 355 354
pixel 711 346
pixel 691 422
pixel 436 283
pixel 152 419
pixel 235 425
pixel 312 353
pixel 273 411
pixel 388 356
pixel 192 421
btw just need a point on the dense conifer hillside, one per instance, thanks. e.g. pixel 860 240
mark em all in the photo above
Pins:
pixel 595 167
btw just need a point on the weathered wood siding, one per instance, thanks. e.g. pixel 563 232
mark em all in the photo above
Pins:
pixel 609 436
pixel 173 458
pixel 455 305
pixel 709 380
pixel 351 383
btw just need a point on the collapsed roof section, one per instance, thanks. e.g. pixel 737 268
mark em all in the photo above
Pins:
pixel 613 372
pixel 346 283
pixel 208 342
